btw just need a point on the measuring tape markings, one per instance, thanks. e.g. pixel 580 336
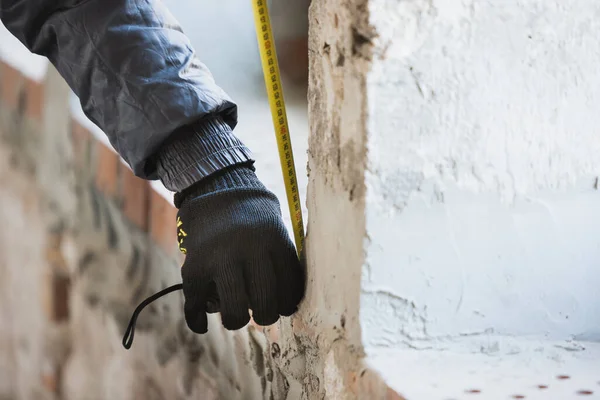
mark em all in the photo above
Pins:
pixel 276 101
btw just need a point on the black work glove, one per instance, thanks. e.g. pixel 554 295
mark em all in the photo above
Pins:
pixel 239 255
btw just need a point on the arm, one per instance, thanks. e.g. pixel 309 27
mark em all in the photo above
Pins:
pixel 138 79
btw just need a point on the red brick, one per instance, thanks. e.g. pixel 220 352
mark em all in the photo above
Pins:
pixel 11 82
pixel 61 286
pixel 293 59
pixel 34 107
pixel 136 198
pixel 56 295
pixel 50 381
pixel 163 229
pixel 107 170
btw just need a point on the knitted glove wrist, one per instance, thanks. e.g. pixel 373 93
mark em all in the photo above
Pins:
pixel 239 255
pixel 240 176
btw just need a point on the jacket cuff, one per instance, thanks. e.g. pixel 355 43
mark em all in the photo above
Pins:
pixel 198 151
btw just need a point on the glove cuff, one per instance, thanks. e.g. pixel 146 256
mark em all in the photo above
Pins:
pixel 197 151
pixel 239 176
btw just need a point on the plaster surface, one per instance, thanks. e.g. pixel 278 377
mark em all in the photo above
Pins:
pixel 482 211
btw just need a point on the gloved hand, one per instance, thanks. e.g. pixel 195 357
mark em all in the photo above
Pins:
pixel 239 255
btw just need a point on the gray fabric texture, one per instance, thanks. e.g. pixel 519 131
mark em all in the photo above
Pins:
pixel 138 79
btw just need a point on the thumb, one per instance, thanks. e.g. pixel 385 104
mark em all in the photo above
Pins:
pixel 195 291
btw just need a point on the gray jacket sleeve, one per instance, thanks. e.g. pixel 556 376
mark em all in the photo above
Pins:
pixel 138 79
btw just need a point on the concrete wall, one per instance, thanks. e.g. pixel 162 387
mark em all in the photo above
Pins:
pixel 483 209
pixel 320 352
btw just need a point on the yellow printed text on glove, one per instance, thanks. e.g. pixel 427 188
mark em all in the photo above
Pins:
pixel 181 235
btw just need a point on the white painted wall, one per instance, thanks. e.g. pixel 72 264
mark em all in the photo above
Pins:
pixel 483 211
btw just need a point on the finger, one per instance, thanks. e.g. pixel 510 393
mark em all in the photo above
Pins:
pixel 195 315
pixel 261 286
pixel 233 299
pixel 212 299
pixel 291 279
pixel 195 289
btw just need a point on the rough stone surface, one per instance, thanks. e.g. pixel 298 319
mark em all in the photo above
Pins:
pixel 319 352
pixel 74 266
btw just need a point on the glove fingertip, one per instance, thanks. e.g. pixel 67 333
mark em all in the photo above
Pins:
pixel 265 320
pixel 288 312
pixel 292 278
pixel 233 323
pixel 196 319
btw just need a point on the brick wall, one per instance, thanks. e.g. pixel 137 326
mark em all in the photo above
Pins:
pixel 82 241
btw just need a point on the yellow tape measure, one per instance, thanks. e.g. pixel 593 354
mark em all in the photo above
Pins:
pixel 270 66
